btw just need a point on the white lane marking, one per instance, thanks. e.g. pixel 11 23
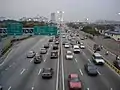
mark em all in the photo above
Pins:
pixel 111 88
pixel 22 71
pixel 98 72
pixel 32 88
pixel 44 60
pixel 76 60
pixel 57 72
pixel 31 60
pixel 6 57
pixel 10 65
pixel 88 89
pixel 9 88
pixel 89 60
pixel 83 53
pixel 39 72
pixel 6 69
pixel 63 84
pixel 81 72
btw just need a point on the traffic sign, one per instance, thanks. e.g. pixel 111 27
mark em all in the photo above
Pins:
pixel 14 29
pixel 45 30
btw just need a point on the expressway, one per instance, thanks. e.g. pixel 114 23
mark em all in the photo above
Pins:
pixel 20 73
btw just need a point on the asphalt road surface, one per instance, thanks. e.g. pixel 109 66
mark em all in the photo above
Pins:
pixel 20 73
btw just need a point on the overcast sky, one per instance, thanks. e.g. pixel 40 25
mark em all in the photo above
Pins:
pixel 74 9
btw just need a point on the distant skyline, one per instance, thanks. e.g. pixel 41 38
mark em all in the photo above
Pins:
pixel 74 9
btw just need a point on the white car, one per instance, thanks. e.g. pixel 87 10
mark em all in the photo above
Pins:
pixel 69 55
pixel 67 45
pixel 76 49
pixel 97 59
pixel 30 54
pixel 63 36
pixel 82 46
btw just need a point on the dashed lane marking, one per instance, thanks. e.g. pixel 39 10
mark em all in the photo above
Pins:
pixel 32 88
pixel 39 72
pixel 9 88
pixel 99 73
pixel 89 60
pixel 81 72
pixel 22 71
pixel 76 60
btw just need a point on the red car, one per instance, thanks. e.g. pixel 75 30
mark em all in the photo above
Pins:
pixel 74 83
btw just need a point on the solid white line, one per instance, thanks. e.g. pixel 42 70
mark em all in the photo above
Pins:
pixel 81 72
pixel 6 57
pixel 22 71
pixel 32 88
pixel 75 59
pixel 57 72
pixel 63 84
pixel 9 88
pixel 39 72
pixel 99 73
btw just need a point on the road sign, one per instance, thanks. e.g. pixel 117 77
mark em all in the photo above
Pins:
pixel 45 30
pixel 14 29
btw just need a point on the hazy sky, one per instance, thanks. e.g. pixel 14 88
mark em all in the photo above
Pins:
pixel 74 9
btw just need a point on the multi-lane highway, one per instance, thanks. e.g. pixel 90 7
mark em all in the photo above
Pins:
pixel 20 73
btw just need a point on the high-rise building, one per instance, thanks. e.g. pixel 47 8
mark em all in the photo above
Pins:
pixel 53 18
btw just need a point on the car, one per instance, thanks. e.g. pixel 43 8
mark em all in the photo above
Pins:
pixel 82 38
pixel 96 47
pixel 1 88
pixel 76 49
pixel 55 47
pixel 67 45
pixel 54 54
pixel 51 40
pixel 81 43
pixel 64 42
pixel 47 73
pixel 43 51
pixel 38 58
pixel 63 36
pixel 82 46
pixel 31 54
pixel 97 59
pixel 91 69
pixel 56 42
pixel 46 45
pixel 74 82
pixel 77 42
pixel 69 55
pixel 77 34
pixel 116 63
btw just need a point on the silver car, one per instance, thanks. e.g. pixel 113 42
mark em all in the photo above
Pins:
pixel 30 54
pixel 43 51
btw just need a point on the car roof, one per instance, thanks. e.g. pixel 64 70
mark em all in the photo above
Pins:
pixel 74 75
pixel 97 54
pixel 69 51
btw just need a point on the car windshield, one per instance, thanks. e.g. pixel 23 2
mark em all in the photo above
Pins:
pixel 98 57
pixel 75 80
